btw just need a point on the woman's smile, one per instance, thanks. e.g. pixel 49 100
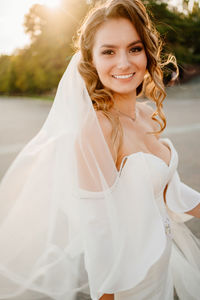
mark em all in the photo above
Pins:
pixel 124 77
pixel 119 57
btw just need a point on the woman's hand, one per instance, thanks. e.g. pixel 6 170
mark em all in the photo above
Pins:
pixel 107 297
pixel 195 212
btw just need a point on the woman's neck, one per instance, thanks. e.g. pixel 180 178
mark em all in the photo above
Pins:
pixel 126 104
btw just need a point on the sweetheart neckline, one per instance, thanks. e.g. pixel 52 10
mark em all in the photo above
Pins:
pixel 169 146
pixel 169 167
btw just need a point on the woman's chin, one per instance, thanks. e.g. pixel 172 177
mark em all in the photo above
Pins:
pixel 124 91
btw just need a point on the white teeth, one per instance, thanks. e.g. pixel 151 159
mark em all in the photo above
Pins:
pixel 123 76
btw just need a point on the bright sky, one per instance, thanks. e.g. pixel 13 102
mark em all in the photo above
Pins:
pixel 179 2
pixel 12 13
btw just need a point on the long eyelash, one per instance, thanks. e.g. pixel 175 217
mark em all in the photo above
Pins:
pixel 137 48
pixel 107 52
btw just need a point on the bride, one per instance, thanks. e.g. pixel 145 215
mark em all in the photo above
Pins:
pixel 93 205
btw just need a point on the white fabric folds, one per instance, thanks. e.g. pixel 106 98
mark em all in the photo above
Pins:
pixel 70 223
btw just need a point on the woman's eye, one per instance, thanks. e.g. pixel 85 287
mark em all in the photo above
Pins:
pixel 136 49
pixel 108 52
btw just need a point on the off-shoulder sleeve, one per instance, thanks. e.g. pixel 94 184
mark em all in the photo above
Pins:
pixel 123 232
pixel 181 198
pixel 185 256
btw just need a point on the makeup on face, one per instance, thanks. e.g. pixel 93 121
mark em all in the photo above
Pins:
pixel 119 56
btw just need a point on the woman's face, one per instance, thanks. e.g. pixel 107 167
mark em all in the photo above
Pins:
pixel 119 56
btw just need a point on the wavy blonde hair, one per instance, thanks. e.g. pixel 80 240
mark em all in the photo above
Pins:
pixel 152 86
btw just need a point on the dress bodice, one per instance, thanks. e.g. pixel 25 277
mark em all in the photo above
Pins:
pixel 127 226
pixel 180 198
pixel 159 175
pixel 160 172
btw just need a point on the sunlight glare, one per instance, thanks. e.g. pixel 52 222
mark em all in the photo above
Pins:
pixel 51 3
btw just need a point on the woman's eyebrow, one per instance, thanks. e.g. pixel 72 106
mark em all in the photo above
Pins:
pixel 113 46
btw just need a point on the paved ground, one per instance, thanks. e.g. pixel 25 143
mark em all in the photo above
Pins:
pixel 21 119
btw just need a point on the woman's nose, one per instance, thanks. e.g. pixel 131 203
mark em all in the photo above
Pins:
pixel 123 61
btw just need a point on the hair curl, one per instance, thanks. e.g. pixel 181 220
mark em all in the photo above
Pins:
pixel 152 86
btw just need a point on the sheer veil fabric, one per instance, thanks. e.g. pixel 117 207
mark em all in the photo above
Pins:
pixel 64 228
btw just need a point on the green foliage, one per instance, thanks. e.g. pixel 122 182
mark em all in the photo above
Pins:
pixel 37 68
pixel 181 32
pixel 5 63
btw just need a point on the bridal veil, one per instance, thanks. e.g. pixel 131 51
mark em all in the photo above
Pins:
pixel 64 229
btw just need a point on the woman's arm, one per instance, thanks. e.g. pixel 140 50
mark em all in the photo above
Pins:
pixel 107 297
pixel 195 212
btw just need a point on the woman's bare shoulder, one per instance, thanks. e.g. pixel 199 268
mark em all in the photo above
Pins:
pixel 106 127
pixel 146 111
pixel 104 122
pixel 146 108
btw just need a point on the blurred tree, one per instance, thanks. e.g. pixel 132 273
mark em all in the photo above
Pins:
pixel 5 63
pixel 179 31
pixel 38 68
pixel 51 32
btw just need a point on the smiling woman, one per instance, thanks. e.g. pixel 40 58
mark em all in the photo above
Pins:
pixel 85 213
pixel 119 62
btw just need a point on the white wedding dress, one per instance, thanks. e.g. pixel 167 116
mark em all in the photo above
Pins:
pixel 158 283
pixel 157 251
